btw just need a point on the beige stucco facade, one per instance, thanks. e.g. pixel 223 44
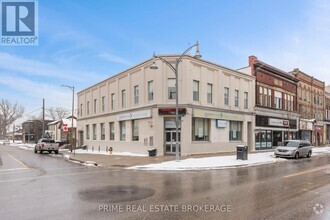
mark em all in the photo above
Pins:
pixel 211 121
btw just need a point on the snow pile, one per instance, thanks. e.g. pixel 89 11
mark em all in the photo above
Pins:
pixel 320 150
pixel 90 164
pixel 67 157
pixel 81 151
pixel 209 163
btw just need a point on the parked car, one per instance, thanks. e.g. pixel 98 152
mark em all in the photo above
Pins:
pixel 46 144
pixel 294 149
pixel 5 142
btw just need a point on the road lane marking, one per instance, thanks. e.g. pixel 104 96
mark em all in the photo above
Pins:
pixel 18 161
pixel 49 176
pixel 14 169
pixel 307 171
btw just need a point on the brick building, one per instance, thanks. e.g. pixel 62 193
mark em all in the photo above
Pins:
pixel 276 104
pixel 311 107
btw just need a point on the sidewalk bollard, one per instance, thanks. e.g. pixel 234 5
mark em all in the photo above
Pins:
pixel 110 150
pixel 106 149
pixel 92 148
pixel 99 149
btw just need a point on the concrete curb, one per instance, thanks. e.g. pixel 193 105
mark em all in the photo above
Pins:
pixel 68 158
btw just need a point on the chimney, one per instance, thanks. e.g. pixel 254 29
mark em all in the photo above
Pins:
pixel 252 59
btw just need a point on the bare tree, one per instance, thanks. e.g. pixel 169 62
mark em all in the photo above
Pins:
pixel 9 113
pixel 57 113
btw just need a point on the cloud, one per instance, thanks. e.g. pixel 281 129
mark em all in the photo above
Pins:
pixel 114 58
pixel 33 67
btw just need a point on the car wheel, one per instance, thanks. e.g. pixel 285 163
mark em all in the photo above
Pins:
pixel 296 156
pixel 56 152
pixel 309 154
pixel 40 151
pixel 35 151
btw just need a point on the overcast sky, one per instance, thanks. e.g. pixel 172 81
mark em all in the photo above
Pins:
pixel 84 42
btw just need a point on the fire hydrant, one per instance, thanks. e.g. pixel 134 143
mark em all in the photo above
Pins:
pixel 110 150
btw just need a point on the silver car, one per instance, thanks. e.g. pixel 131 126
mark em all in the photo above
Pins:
pixel 294 149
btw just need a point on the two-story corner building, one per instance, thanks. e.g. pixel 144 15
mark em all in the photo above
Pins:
pixel 311 107
pixel 135 109
pixel 276 104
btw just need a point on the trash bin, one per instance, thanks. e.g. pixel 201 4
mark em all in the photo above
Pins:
pixel 84 147
pixel 242 152
pixel 152 152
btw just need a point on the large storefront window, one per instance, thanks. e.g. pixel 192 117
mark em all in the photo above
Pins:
pixel 135 130
pixel 112 130
pixel 200 129
pixel 263 139
pixel 235 133
pixel 122 131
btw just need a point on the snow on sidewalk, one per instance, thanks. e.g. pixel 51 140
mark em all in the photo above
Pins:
pixel 221 162
pixel 80 151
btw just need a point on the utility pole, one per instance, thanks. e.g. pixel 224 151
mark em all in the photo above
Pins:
pixel 72 144
pixel 43 117
pixel 13 133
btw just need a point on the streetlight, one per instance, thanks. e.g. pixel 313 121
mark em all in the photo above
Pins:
pixel 72 89
pixel 175 70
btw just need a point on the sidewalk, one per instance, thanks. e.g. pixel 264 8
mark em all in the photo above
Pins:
pixel 195 162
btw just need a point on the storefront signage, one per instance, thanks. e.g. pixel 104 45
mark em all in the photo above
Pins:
pixel 170 124
pixel 172 111
pixel 278 122
pixel 218 115
pixel 134 115
pixel 306 125
pixel 221 123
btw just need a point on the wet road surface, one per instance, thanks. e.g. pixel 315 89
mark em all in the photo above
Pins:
pixel 34 186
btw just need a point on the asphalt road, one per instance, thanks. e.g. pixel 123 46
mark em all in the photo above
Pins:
pixel 34 186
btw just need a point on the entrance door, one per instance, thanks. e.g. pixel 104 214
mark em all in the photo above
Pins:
pixel 170 141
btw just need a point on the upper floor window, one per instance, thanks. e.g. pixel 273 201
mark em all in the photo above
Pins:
pixel 236 98
pixel 123 98
pixel 226 94
pixel 246 100
pixel 95 103
pixel 278 100
pixel 103 103
pixel 112 101
pixel 209 93
pixel 269 98
pixel 171 89
pixel 265 96
pixel 150 91
pixel 285 102
pixel 260 95
pixel 195 90
pixel 136 94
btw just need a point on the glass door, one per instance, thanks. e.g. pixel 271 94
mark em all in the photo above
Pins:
pixel 170 141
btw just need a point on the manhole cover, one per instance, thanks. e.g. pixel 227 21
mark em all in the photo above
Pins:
pixel 115 194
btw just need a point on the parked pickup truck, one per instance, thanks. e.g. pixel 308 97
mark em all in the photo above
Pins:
pixel 46 144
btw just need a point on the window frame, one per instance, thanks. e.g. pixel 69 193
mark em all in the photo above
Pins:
pixel 196 92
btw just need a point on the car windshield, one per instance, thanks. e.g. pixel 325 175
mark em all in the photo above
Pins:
pixel 291 144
